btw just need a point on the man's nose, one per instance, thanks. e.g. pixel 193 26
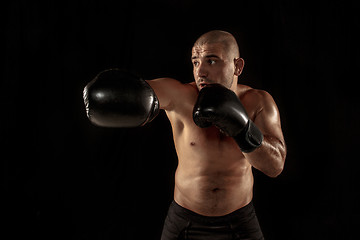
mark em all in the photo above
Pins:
pixel 202 71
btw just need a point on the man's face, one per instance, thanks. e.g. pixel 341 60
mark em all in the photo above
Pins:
pixel 211 64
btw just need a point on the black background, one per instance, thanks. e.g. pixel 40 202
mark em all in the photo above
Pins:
pixel 67 179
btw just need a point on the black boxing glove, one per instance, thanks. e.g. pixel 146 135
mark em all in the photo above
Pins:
pixel 219 106
pixel 117 98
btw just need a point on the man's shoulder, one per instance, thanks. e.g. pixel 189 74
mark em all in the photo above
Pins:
pixel 255 100
pixel 246 92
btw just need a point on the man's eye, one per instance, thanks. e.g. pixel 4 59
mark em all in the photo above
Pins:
pixel 196 63
pixel 211 62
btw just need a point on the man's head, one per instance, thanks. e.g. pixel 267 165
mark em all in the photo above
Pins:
pixel 216 59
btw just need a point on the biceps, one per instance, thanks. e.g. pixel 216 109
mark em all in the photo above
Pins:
pixel 268 121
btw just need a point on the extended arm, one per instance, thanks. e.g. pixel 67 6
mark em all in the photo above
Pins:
pixel 118 98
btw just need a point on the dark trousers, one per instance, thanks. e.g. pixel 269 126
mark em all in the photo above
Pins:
pixel 182 223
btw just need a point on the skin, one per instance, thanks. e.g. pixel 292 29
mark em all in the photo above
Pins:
pixel 214 177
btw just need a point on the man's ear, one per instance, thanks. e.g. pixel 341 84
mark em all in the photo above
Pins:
pixel 239 65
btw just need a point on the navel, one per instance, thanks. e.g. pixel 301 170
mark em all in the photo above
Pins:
pixel 192 143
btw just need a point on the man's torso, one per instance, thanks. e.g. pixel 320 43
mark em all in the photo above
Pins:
pixel 213 177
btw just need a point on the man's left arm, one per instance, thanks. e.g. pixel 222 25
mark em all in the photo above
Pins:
pixel 269 158
pixel 260 137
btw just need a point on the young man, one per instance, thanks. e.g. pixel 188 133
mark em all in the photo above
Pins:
pixel 221 130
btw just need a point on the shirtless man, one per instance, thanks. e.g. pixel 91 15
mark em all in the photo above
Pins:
pixel 221 130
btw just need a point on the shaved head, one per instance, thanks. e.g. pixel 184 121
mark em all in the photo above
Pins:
pixel 216 59
pixel 227 40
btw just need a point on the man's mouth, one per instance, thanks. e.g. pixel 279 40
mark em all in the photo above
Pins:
pixel 202 85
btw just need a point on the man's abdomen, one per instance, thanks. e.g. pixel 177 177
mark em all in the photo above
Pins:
pixel 213 177
pixel 215 194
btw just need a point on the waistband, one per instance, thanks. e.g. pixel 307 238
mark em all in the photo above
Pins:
pixel 242 214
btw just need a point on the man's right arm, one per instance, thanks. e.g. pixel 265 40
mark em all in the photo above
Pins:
pixel 117 98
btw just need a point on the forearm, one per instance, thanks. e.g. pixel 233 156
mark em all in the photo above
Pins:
pixel 269 158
